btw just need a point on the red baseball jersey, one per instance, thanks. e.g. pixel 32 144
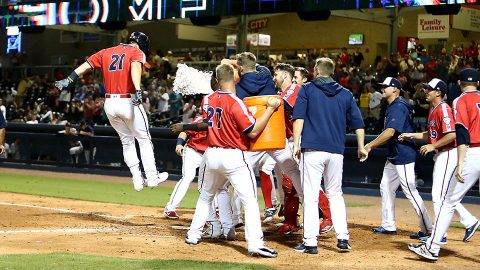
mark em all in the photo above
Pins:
pixel 115 64
pixel 440 123
pixel 467 113
pixel 197 139
pixel 290 96
pixel 229 120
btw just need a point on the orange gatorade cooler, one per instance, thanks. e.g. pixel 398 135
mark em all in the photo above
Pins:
pixel 273 137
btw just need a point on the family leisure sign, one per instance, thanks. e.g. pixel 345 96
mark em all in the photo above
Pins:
pixel 430 26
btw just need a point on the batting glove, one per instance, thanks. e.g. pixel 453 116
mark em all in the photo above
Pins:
pixel 137 98
pixel 63 84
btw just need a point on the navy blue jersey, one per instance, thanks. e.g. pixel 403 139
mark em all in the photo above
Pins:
pixel 328 111
pixel 3 123
pixel 257 83
pixel 398 117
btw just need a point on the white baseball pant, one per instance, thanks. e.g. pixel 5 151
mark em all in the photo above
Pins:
pixel 403 175
pixel 131 123
pixel 239 173
pixel 455 193
pixel 191 160
pixel 314 165
pixel 444 169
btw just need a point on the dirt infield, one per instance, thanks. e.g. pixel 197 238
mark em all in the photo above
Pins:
pixel 38 224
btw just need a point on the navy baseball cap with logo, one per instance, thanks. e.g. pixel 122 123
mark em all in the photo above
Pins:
pixel 437 85
pixel 468 75
pixel 390 81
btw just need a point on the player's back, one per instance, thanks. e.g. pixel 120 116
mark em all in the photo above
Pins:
pixel 228 120
pixel 467 113
pixel 115 63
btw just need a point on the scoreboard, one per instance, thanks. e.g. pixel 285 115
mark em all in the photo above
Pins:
pixel 41 13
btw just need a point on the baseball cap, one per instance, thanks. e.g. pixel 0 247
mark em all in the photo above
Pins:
pixel 390 81
pixel 468 75
pixel 436 84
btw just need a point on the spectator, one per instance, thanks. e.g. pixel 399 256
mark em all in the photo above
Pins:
pixel 188 111
pixel 175 101
pixel 375 103
pixel 85 133
pixel 357 57
pixel 3 109
pixel 162 105
pixel 421 108
pixel 364 101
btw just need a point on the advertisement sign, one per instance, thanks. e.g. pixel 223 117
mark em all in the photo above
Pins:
pixel 467 19
pixel 14 43
pixel 430 26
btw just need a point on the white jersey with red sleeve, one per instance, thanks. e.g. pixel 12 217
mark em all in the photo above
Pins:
pixel 229 120
pixel 289 97
pixel 467 113
pixel 197 139
pixel 440 123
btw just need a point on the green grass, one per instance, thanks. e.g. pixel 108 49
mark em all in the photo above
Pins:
pixel 100 191
pixel 67 261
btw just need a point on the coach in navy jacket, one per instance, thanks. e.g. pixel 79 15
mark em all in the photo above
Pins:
pixel 323 111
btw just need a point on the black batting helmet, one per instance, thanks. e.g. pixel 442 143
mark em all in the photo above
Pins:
pixel 141 39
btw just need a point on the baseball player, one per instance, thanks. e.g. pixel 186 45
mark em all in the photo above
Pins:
pixel 399 169
pixel 466 110
pixel 230 124
pixel 191 155
pixel 324 105
pixel 3 125
pixel 441 139
pixel 122 70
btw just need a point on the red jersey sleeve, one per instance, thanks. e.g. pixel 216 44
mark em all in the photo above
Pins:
pixel 447 123
pixel 290 96
pixel 243 117
pixel 138 56
pixel 95 60
pixel 461 112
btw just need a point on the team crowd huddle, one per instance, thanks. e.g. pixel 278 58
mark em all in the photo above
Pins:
pixel 316 115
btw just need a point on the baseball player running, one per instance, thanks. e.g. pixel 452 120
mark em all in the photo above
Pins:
pixel 467 124
pixel 441 139
pixel 324 105
pixel 122 71
pixel 230 124
pixel 399 168
pixel 191 155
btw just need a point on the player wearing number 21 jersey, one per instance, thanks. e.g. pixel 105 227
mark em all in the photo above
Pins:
pixel 122 71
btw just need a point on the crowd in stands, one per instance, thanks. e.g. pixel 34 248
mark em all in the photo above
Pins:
pixel 34 99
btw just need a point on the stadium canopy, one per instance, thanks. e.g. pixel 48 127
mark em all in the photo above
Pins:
pixel 47 13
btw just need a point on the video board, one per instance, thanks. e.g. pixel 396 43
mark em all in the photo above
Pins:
pixel 32 12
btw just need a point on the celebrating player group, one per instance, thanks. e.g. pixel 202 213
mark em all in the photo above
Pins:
pixel 308 167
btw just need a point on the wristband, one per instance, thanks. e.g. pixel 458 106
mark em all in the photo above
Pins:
pixel 193 127
pixel 180 141
pixel 72 77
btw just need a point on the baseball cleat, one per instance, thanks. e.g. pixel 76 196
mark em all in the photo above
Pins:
pixel 263 252
pixel 230 235
pixel 422 251
pixel 287 229
pixel 306 249
pixel 425 239
pixel 162 177
pixel 326 226
pixel 192 241
pixel 138 183
pixel 343 245
pixel 170 214
pixel 239 225
pixel 469 232
pixel 382 230
pixel 269 214
pixel 418 235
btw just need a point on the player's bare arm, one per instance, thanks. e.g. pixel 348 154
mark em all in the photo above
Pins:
pixel 2 141
pixel 297 132
pixel 79 71
pixel 261 122
pixel 448 138
pixel 461 150
pixel 136 73
pixel 386 135
pixel 181 140
pixel 417 136
pixel 179 127
pixel 361 152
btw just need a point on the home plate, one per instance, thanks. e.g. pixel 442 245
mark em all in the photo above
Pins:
pixel 178 227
